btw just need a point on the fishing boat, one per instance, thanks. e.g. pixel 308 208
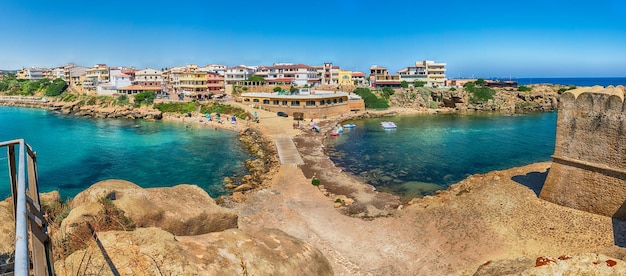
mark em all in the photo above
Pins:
pixel 388 125
pixel 349 125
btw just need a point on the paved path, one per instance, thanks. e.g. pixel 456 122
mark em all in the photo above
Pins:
pixel 287 152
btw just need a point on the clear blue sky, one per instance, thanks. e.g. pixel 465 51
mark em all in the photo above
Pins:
pixel 532 38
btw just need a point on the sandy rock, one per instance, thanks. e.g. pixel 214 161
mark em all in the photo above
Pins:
pixel 7 230
pixel 152 251
pixel 580 264
pixel 243 187
pixel 181 210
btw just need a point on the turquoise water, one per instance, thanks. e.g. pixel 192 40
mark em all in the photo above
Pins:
pixel 75 152
pixel 429 152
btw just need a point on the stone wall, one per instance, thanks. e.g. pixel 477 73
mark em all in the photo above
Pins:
pixel 589 162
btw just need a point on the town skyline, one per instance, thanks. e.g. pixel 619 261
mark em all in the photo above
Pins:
pixel 541 38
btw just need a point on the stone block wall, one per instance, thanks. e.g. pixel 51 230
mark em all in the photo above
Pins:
pixel 589 162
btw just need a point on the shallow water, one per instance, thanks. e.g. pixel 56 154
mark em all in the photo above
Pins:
pixel 75 152
pixel 429 152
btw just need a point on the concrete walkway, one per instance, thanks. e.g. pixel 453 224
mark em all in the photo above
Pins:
pixel 287 152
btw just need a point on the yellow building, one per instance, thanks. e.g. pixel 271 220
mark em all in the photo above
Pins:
pixel 345 77
pixel 193 84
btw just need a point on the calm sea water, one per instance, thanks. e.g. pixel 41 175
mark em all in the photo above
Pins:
pixel 573 81
pixel 74 152
pixel 429 152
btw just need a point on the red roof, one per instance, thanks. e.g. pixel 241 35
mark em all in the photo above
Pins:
pixel 358 74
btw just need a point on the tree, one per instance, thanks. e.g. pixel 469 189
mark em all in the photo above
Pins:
pixel 145 97
pixel 256 79
pixel 292 89
pixel 55 88
pixel 404 84
pixel 388 91
pixel 277 89
pixel 480 82
pixel 419 83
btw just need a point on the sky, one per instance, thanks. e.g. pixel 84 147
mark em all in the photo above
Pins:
pixel 532 38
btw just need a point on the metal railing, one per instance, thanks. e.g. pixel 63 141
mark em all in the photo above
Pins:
pixel 27 211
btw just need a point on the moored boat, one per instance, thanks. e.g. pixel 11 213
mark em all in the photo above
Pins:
pixel 349 125
pixel 388 125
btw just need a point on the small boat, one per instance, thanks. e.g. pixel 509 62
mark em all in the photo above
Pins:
pixel 349 125
pixel 334 133
pixel 388 125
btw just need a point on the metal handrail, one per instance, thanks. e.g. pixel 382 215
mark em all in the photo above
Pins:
pixel 23 225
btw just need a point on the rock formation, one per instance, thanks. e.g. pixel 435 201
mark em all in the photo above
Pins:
pixel 589 162
pixel 581 264
pixel 179 231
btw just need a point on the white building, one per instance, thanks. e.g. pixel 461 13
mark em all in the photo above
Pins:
pixel 296 74
pixel 433 74
pixel 148 77
pixel 236 74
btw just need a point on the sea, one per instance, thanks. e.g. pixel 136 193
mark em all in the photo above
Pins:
pixel 426 153
pixel 75 152
pixel 614 81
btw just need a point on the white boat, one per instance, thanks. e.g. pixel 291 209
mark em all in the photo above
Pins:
pixel 349 126
pixel 388 125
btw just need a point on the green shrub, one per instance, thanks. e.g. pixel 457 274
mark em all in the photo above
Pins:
pixel 452 89
pixel 524 88
pixel 176 107
pixel 315 182
pixel 144 98
pixel 55 88
pixel 419 83
pixel 371 101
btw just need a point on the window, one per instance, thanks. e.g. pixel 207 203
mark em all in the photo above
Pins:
pixel 334 101
pixel 275 102
pixel 295 103
pixel 310 103
pixel 284 102
pixel 255 100
pixel 266 101
pixel 341 100
pixel 327 101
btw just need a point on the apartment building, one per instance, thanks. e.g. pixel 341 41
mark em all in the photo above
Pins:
pixel 97 74
pixel 328 73
pixel 428 71
pixel 296 74
pixel 214 82
pixel 236 74
pixel 214 68
pixel 380 77
pixel 33 73
pixel 148 77
pixel 192 83
pixel 358 78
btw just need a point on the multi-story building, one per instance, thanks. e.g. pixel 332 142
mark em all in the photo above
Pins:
pixel 380 77
pixel 345 77
pixel 193 83
pixel 148 77
pixel 287 73
pixel 236 74
pixel 328 73
pixel 214 68
pixel 33 73
pixel 214 82
pixel 57 73
pixel 358 78
pixel 97 74
pixel 431 73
